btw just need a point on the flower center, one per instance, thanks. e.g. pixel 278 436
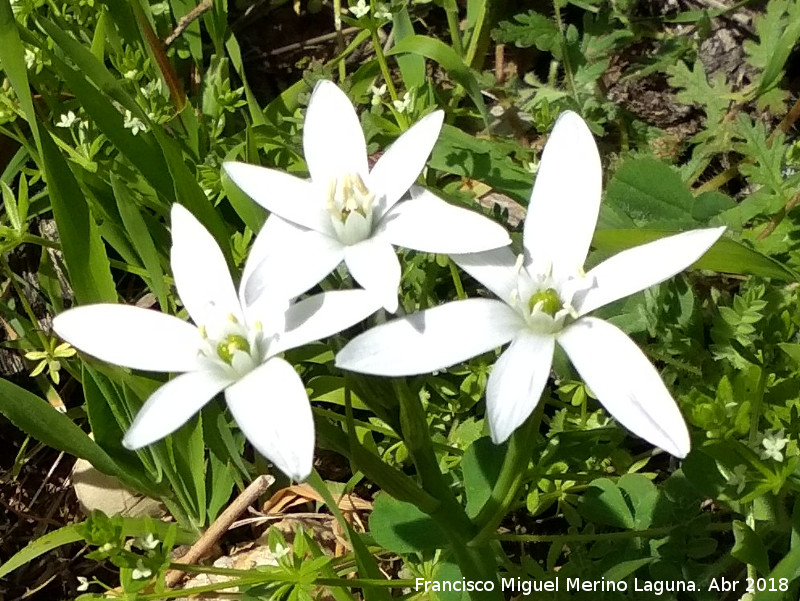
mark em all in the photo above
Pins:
pixel 349 194
pixel 547 300
pixel 229 345
pixel 350 206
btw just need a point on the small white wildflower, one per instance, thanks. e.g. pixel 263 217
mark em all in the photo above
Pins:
pixel 151 89
pixel 360 9
pixel 281 551
pixel 402 106
pixel 377 94
pixel 737 478
pixel 131 74
pixel 149 542
pixel 67 120
pixel 382 12
pixel 140 572
pixel 773 443
pixel 83 584
pixel 30 58
pixel 134 123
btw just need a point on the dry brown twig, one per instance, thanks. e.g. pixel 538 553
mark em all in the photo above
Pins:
pixel 220 526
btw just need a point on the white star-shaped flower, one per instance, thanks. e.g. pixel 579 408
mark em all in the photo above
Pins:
pixel 347 212
pixel 232 347
pixel 545 298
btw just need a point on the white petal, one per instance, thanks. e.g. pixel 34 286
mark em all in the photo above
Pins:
pixel 401 164
pixel 294 199
pixel 323 315
pixel 172 405
pixel 272 409
pixel 644 266
pixel 201 274
pixel 495 269
pixel 287 260
pixel 626 383
pixel 429 224
pixel 516 383
pixel 131 336
pixel 374 265
pixel 433 339
pixel 333 141
pixel 562 212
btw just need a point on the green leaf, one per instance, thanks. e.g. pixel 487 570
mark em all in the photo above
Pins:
pixel 649 191
pixel 749 548
pixel 365 561
pixel 130 527
pixel 695 89
pixel 461 154
pixel 530 29
pixel 726 256
pixel 604 503
pixel 140 237
pixel 402 528
pixel 481 467
pixel 792 349
pixel 36 417
pixel 448 59
pixel 412 66
pixel 84 251
pixel 642 495
pixel 623 569
pixel 12 59
pixel 788 568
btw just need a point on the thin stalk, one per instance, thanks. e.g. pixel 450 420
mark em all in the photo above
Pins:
pixel 565 57
pixel 475 562
pixel 451 10
pixel 511 477
pixel 456 280
pixel 387 77
pixel 605 536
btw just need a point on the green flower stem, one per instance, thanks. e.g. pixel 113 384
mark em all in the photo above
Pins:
pixel 451 9
pixel 476 562
pixel 512 475
pixel 337 25
pixel 605 536
pixel 564 55
pixel 387 77
pixel 456 280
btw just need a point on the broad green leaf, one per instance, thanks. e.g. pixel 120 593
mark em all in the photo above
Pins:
pixel 642 495
pixel 461 154
pixel 623 569
pixel 481 467
pixel 37 418
pixel 792 349
pixel 412 66
pixel 649 191
pixel 331 389
pixel 788 568
pixel 84 251
pixel 530 29
pixel 726 256
pixel 402 528
pixel 604 503
pixel 448 59
pixel 749 548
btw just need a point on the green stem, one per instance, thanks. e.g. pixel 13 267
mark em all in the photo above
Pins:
pixel 451 9
pixel 456 280
pixel 564 53
pixel 476 562
pixel 605 536
pixel 512 474
pixel 387 77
